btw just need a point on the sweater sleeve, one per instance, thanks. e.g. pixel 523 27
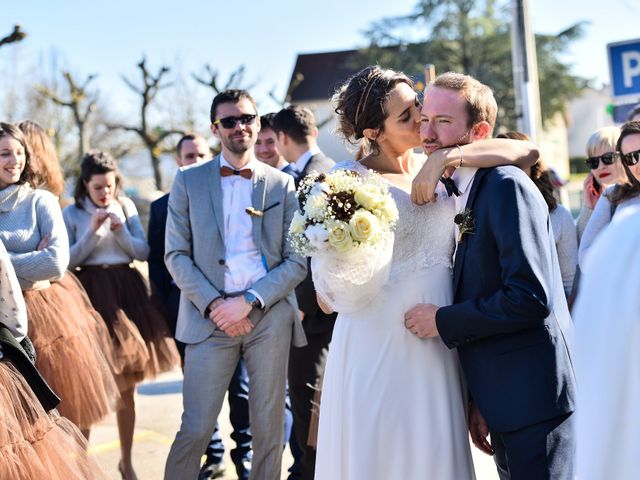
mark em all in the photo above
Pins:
pixel 583 219
pixel 80 246
pixel 567 247
pixel 131 236
pixel 51 262
pixel 600 218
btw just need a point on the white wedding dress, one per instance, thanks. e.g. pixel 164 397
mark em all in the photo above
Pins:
pixel 393 405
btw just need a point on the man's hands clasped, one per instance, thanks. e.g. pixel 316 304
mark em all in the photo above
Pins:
pixel 231 315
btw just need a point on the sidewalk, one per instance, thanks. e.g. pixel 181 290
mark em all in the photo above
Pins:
pixel 158 408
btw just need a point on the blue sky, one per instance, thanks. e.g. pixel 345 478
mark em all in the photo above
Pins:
pixel 109 38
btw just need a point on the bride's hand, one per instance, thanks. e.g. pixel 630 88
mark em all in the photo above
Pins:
pixel 323 306
pixel 423 188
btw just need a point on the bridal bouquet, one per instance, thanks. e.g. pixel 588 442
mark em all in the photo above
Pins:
pixel 345 224
pixel 342 211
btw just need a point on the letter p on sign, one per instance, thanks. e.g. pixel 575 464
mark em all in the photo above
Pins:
pixel 630 67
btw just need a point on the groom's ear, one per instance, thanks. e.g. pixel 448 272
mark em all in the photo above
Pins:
pixel 480 131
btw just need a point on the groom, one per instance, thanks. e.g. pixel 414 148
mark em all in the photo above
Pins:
pixel 510 319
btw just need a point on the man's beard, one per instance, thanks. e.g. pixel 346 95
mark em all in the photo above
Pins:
pixel 238 146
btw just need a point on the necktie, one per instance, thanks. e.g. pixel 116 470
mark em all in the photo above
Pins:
pixel 291 170
pixel 227 172
pixel 450 186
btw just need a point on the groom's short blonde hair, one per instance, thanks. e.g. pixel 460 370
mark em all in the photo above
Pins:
pixel 481 104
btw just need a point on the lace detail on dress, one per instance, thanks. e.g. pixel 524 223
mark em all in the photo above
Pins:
pixel 424 235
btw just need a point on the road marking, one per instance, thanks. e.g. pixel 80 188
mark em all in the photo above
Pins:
pixel 145 435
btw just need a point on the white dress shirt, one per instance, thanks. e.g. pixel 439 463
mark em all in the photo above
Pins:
pixel 243 260
pixel 302 161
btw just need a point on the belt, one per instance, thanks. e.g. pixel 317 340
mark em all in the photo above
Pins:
pixel 104 266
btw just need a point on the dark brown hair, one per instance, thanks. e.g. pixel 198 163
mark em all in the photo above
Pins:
pixel 11 131
pixel 631 187
pixel 230 96
pixel 295 121
pixel 540 174
pixel 44 161
pixel 95 162
pixel 360 103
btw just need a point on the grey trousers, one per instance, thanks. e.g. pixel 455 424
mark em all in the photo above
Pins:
pixel 208 368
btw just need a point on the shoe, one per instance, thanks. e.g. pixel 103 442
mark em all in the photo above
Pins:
pixel 211 470
pixel 243 469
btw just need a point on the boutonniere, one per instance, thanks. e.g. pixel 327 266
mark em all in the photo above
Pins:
pixel 465 222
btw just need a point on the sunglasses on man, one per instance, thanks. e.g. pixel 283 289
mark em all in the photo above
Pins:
pixel 631 158
pixel 231 122
pixel 606 158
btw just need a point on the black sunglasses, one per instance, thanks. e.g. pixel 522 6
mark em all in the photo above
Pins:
pixel 631 158
pixel 606 158
pixel 231 122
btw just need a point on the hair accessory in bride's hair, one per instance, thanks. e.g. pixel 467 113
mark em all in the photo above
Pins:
pixel 365 96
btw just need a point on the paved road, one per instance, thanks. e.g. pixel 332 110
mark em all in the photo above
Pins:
pixel 159 406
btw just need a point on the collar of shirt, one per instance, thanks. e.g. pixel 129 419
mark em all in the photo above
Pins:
pixel 463 177
pixel 251 165
pixel 303 159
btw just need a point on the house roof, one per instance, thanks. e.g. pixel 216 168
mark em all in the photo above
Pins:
pixel 316 76
pixel 322 74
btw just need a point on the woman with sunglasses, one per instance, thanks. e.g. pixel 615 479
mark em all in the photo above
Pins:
pixel 605 171
pixel 105 236
pixel 619 197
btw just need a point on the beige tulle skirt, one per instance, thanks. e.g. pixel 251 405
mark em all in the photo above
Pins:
pixel 142 341
pixel 73 351
pixel 34 444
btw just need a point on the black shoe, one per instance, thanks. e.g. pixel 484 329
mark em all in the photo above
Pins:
pixel 211 470
pixel 243 469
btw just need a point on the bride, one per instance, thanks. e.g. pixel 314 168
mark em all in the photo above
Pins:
pixel 394 405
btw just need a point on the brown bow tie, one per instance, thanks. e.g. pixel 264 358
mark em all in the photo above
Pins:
pixel 227 172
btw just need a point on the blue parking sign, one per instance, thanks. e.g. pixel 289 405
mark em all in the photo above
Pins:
pixel 624 66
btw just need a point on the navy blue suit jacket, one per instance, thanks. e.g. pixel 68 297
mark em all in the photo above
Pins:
pixel 161 282
pixel 510 321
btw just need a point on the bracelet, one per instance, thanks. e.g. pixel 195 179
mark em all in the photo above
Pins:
pixel 461 156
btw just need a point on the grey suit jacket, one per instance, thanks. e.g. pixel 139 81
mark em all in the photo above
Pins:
pixel 195 247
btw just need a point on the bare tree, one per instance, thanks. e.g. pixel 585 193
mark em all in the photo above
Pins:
pixel 80 102
pixel 15 36
pixel 211 80
pixel 152 137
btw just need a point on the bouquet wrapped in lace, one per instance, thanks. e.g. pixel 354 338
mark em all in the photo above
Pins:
pixel 345 224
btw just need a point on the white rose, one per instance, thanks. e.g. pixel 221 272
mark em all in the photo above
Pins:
pixel 316 206
pixel 387 210
pixel 363 225
pixel 298 223
pixel 368 196
pixel 339 236
pixel 317 236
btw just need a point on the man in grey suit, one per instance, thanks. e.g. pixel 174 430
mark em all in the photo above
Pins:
pixel 227 251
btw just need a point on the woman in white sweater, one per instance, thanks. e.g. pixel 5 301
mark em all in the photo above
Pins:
pixel 33 232
pixel 106 236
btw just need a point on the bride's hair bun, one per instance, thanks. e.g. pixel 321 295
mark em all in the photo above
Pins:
pixel 360 102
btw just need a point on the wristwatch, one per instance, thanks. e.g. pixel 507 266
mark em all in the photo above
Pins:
pixel 252 300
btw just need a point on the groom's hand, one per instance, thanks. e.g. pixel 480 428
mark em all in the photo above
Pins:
pixel 421 320
pixel 479 430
